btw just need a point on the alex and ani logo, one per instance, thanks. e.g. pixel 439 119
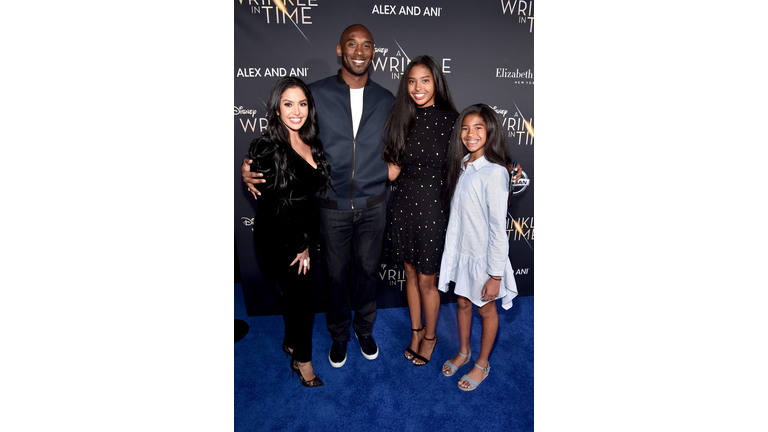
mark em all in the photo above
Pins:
pixel 406 10
pixel 271 72
pixel 284 11
pixel 523 8
pixel 396 64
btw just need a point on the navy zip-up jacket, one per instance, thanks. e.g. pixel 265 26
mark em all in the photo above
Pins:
pixel 358 172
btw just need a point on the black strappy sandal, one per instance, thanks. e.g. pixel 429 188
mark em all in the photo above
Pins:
pixel 433 351
pixel 409 350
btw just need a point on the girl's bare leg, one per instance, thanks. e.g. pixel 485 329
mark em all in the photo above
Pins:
pixel 430 301
pixel 489 319
pixel 414 307
pixel 464 319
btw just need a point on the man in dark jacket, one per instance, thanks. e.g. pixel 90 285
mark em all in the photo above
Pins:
pixel 352 111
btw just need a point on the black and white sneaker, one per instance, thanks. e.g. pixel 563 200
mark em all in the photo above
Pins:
pixel 368 347
pixel 338 354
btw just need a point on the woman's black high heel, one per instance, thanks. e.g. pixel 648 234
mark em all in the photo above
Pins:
pixel 433 351
pixel 409 350
pixel 287 351
pixel 316 382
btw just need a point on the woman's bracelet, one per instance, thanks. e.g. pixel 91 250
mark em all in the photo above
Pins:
pixel 494 278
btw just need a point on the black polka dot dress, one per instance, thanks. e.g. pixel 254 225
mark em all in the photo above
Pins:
pixel 417 221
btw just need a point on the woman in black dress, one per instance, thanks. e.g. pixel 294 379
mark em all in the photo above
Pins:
pixel 419 128
pixel 290 155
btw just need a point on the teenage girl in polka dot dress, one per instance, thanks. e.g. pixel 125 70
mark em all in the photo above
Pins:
pixel 419 128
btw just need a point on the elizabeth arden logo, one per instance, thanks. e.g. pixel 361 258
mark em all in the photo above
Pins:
pixel 518 76
pixel 521 9
pixel 508 73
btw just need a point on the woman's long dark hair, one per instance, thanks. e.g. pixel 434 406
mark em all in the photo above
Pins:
pixel 278 132
pixel 403 115
pixel 495 150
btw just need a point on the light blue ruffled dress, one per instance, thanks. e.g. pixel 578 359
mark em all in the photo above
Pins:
pixel 476 242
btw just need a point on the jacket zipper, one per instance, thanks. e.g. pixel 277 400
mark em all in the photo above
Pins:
pixel 354 157
pixel 354 146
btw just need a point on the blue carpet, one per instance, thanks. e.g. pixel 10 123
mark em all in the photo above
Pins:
pixel 386 394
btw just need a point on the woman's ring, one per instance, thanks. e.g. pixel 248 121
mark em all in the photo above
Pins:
pixel 306 263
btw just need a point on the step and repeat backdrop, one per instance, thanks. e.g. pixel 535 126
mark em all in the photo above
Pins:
pixel 485 48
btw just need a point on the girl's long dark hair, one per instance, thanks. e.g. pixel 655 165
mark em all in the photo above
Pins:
pixel 403 115
pixel 278 132
pixel 495 150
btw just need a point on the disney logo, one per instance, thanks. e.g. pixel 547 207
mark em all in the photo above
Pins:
pixel 499 111
pixel 240 110
pixel 381 50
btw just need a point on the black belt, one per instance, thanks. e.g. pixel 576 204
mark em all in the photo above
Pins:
pixel 370 202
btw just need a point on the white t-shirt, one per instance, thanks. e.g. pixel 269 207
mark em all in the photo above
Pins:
pixel 356 101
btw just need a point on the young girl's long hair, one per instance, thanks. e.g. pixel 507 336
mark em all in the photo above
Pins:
pixel 278 133
pixel 495 150
pixel 403 115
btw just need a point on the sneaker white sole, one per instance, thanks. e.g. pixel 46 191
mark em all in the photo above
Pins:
pixel 369 357
pixel 337 365
pixel 372 356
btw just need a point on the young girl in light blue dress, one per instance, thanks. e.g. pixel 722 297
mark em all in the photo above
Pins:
pixel 476 250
